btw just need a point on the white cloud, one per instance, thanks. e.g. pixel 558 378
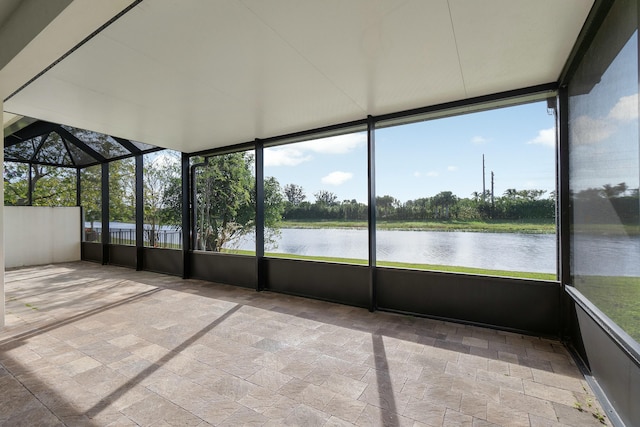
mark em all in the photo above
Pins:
pixel 588 130
pixel 452 168
pixel 285 156
pixel 432 173
pixel 626 109
pixel 479 140
pixel 546 137
pixel 337 178
pixel 417 174
pixel 340 144
pixel 585 130
pixel 294 154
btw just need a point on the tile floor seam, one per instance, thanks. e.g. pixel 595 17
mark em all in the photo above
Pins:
pixel 30 392
pixel 352 363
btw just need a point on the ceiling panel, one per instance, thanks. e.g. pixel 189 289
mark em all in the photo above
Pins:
pixel 203 74
pixel 527 45
pixel 364 47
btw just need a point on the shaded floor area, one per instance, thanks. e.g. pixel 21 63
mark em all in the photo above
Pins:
pixel 92 345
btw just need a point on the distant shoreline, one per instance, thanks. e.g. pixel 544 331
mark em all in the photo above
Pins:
pixel 501 226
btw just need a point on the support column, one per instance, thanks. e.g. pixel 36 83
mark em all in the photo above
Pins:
pixel 30 186
pixel 105 213
pixel 260 270
pixel 563 211
pixel 139 210
pixel 79 188
pixel 79 204
pixel 2 225
pixel 186 217
pixel 371 210
pixel 563 202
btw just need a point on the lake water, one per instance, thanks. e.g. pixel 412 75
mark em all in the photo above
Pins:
pixel 605 255
pixel 592 255
pixel 497 251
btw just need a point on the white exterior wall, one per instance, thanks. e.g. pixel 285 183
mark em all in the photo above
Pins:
pixel 37 235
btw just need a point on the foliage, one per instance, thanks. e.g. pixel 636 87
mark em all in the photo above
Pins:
pixel 294 194
pixel 535 226
pixel 274 205
pixel 225 201
pixel 325 198
pixel 16 185
pixel 609 204
pixel 444 206
pixel 90 194
pixel 162 194
pixel 52 186
pixel 122 190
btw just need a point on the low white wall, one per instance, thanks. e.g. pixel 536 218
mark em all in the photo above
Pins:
pixel 35 235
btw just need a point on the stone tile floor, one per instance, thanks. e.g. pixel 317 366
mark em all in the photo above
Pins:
pixel 87 345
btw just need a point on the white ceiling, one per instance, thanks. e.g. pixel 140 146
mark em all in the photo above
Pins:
pixel 200 74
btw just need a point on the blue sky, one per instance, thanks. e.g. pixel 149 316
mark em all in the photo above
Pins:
pixel 604 127
pixel 422 159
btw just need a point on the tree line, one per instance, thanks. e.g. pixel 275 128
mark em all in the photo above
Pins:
pixel 606 205
pixel 513 205
pixel 225 199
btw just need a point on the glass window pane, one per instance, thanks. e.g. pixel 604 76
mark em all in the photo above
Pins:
pixel 323 188
pixel 142 146
pixel 604 169
pixel 91 200
pixel 101 143
pixel 162 200
pixel 53 186
pixel 472 193
pixel 16 184
pixel 80 158
pixel 54 151
pixel 225 203
pixel 21 151
pixel 122 202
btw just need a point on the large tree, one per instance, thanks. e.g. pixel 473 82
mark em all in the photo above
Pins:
pixel 52 186
pixel 91 194
pixel 225 201
pixel 443 202
pixel 325 198
pixel 159 175
pixel 122 190
pixel 294 194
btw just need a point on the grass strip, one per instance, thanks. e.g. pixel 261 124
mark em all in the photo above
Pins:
pixel 617 296
pixel 415 266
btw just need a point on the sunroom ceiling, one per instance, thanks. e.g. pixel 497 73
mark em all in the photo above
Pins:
pixel 201 74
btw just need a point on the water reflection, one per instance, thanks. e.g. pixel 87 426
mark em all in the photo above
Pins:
pixel 605 255
pixel 496 251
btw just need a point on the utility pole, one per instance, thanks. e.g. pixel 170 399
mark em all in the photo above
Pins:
pixel 484 189
pixel 492 199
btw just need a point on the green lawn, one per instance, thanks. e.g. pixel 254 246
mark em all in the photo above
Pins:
pixel 431 267
pixel 618 297
pixel 607 229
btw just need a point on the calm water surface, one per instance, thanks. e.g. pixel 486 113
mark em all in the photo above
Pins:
pixel 592 255
pixel 497 251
